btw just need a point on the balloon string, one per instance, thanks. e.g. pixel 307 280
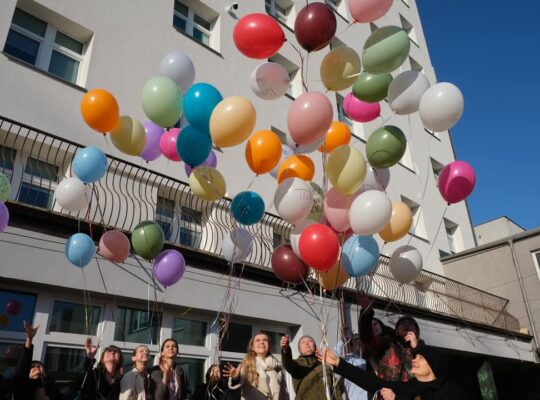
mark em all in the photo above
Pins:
pixel 348 26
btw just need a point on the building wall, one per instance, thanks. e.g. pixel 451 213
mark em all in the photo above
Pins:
pixel 495 230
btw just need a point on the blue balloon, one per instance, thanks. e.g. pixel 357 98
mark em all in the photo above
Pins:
pixel 80 249
pixel 360 255
pixel 247 208
pixel 89 164
pixel 199 102
pixel 193 146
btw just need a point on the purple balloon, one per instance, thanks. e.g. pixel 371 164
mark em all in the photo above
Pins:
pixel 4 217
pixel 211 161
pixel 153 134
pixel 169 266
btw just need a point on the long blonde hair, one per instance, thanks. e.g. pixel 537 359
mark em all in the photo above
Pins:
pixel 249 363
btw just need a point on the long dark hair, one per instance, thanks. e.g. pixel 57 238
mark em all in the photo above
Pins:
pixel 163 346
pixel 119 369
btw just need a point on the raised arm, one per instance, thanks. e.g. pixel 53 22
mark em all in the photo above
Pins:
pixel 291 366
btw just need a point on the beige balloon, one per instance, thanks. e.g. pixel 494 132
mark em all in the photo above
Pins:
pixel 400 222
pixel 340 68
pixel 346 169
pixel 128 136
pixel 207 183
pixel 333 278
pixel 232 121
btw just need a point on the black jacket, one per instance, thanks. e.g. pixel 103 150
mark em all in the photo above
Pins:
pixel 94 384
pixel 215 390
pixel 162 391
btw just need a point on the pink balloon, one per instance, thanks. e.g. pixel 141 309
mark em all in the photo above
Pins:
pixel 368 10
pixel 114 246
pixel 336 210
pixel 456 181
pixel 167 144
pixel 359 110
pixel 309 117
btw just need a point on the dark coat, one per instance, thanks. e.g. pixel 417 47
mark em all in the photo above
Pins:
pixel 215 390
pixel 162 391
pixel 94 384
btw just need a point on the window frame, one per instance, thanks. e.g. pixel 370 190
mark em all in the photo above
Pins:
pixel 69 301
pixel 191 25
pixel 38 183
pixel 279 13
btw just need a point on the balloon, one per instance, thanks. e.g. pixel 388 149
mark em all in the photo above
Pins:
pixel 287 266
pixel 405 92
pixel 99 110
pixel 211 161
pixel 89 164
pixel 441 107
pixel 247 208
pixel 5 188
pixel 386 146
pixel 162 101
pixel 147 239
pixel 13 307
pixel 385 50
pixel 151 149
pixel 315 26
pixel 207 183
pixel 114 246
pixel 318 202
pixel 456 181
pixel 80 249
pixel 286 151
pixel 270 81
pixel 169 267
pixel 296 233
pixel 72 194
pixel 336 209
pixel 360 255
pixel 346 169
pixel 371 87
pixel 376 179
pixel 370 212
pixel 293 200
pixel 193 146
pixel 129 136
pixel 339 68
pixel 4 217
pixel 167 144
pixel 400 222
pixel 360 111
pixel 263 151
pixel 406 264
pixel 199 102
pixel 334 278
pixel 237 245
pixel 232 121
pixel 304 148
pixel 319 247
pixel 368 10
pixel 338 134
pixel 296 166
pixel 309 117
pixel 179 68
pixel 258 36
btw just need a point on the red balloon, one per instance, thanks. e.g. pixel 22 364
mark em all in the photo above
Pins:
pixel 315 26
pixel 258 36
pixel 319 247
pixel 287 266
pixel 13 307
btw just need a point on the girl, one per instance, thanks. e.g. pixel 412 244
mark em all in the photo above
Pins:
pixel 169 379
pixel 135 384
pixel 102 382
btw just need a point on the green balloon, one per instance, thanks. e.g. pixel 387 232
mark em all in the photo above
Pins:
pixel 147 239
pixel 162 101
pixel 385 50
pixel 5 188
pixel 371 88
pixel 386 146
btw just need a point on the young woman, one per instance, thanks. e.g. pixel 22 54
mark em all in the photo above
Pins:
pixel 136 384
pixel 169 379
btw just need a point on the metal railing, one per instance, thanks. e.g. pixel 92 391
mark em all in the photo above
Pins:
pixel 35 161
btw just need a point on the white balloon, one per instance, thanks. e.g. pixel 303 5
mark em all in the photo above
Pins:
pixel 237 245
pixel 296 232
pixel 293 200
pixel 286 151
pixel 441 107
pixel 376 179
pixel 370 212
pixel 304 148
pixel 406 264
pixel 178 67
pixel 270 81
pixel 72 194
pixel 406 90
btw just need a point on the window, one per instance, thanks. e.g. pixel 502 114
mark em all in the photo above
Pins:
pixel 180 224
pixel 280 10
pixel 17 307
pixel 409 28
pixel 437 168
pixel 536 260
pixel 165 216
pixel 452 234
pixel 74 318
pixel 415 66
pixel 64 365
pixel 194 368
pixel 190 227
pixel 277 239
pixel 342 116
pixel 187 331
pixel 275 338
pixel 418 227
pixel 137 326
pixel 39 183
pixel 196 20
pixel 7 158
pixel 236 338
pixel 8 358
pixel 338 6
pixel 295 75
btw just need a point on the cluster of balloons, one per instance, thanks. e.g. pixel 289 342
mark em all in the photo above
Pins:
pixel 5 190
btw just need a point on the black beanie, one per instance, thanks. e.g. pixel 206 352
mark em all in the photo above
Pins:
pixel 407 318
pixel 435 358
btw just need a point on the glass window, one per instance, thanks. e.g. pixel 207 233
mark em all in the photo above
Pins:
pixel 236 338
pixel 39 183
pixel 74 318
pixel 275 338
pixel 8 358
pixel 279 9
pixel 68 42
pixel 64 67
pixel 194 368
pixel 277 239
pixel 190 227
pixel 196 22
pixel 188 331
pixel 7 156
pixel 29 22
pixel 65 365
pixel 41 169
pixel 16 308
pixel 22 47
pixel 137 326
pixel 165 215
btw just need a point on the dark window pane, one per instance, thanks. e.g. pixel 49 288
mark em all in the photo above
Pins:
pixel 18 307
pixel 179 23
pixel 64 67
pixel 29 22
pixel 181 8
pixel 41 169
pixel 7 156
pixel 65 367
pixel 275 338
pixel 187 331
pixel 165 208
pixel 236 338
pixel 202 22
pixel 190 237
pixel 138 326
pixel 22 47
pixel 74 318
pixel 35 195
pixel 201 36
pixel 8 359
pixel 167 228
pixel 68 42
pixel 194 368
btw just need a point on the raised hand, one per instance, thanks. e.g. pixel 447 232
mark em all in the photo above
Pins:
pixel 328 356
pixel 411 338
pixel 30 332
pixel 215 373
pixel 284 343
pixel 362 300
pixel 387 394
pixel 91 350
pixel 231 371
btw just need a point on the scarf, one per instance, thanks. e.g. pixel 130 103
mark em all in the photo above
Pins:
pixel 269 377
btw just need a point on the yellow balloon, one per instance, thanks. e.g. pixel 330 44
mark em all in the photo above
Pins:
pixel 346 169
pixel 207 183
pixel 128 136
pixel 340 68
pixel 232 121
pixel 400 222
pixel 334 278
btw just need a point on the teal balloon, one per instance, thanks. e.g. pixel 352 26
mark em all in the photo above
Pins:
pixel 80 249
pixel 385 50
pixel 162 101
pixel 199 102
pixel 247 208
pixel 360 255
pixel 193 146
pixel 371 88
pixel 5 188
pixel 386 146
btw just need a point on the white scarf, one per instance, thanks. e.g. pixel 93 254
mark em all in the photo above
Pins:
pixel 269 377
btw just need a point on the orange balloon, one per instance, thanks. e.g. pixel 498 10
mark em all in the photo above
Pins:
pixel 334 278
pixel 400 222
pixel 263 151
pixel 296 166
pixel 99 110
pixel 338 135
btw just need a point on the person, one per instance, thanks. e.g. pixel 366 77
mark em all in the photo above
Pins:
pixel 170 380
pixel 307 373
pixel 259 375
pixel 352 391
pixel 215 386
pixel 136 384
pixel 103 381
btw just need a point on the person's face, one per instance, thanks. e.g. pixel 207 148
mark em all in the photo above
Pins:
pixel 421 369
pixel 260 345
pixel 405 326
pixel 111 354
pixel 170 349
pixel 376 327
pixel 36 371
pixel 306 346
pixel 141 354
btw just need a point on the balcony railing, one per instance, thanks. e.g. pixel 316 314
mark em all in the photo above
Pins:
pixel 129 194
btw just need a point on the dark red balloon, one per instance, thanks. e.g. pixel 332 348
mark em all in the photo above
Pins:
pixel 288 266
pixel 13 307
pixel 258 36
pixel 319 247
pixel 315 26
